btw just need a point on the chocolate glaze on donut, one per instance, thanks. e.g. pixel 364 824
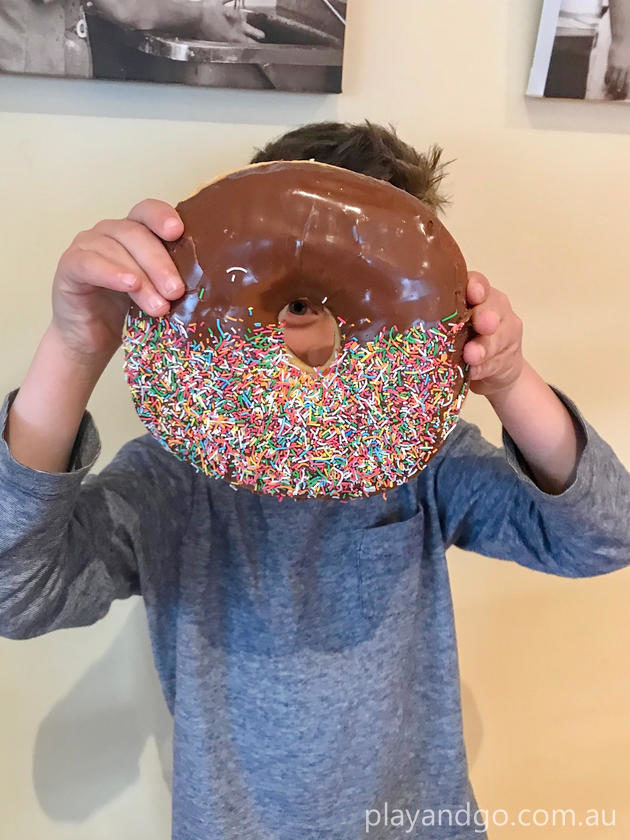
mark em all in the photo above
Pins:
pixel 376 254
pixel 218 386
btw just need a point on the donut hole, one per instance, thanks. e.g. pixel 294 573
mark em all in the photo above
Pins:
pixel 311 334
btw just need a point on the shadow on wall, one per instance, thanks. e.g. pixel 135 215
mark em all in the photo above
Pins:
pixel 88 748
pixel 473 725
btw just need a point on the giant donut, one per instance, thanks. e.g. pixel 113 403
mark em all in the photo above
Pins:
pixel 215 382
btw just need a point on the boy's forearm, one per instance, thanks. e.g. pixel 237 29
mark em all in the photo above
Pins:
pixel 46 413
pixel 620 21
pixel 542 429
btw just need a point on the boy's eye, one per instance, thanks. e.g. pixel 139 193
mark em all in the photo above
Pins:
pixel 298 307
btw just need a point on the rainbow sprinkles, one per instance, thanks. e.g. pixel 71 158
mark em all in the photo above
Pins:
pixel 238 408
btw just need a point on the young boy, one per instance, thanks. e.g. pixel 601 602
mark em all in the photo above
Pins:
pixel 306 649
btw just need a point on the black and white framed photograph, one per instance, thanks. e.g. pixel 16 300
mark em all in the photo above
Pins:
pixel 583 51
pixel 294 45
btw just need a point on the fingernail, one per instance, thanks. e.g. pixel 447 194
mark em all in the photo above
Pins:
pixel 173 285
pixel 482 353
pixel 171 226
pixel 158 303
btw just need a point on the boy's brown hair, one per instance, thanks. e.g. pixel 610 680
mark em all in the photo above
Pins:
pixel 367 148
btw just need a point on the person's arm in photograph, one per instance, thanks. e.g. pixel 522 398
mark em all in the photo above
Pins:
pixel 208 19
pixel 556 498
pixel 618 74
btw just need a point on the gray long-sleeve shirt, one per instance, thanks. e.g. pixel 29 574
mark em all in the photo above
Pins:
pixel 305 648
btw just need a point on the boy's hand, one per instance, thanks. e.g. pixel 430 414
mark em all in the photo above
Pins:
pixel 494 355
pixel 548 438
pixel 116 260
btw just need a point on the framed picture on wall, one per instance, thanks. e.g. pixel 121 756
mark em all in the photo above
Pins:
pixel 583 51
pixel 295 45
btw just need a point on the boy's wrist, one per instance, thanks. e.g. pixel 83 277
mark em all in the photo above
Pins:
pixel 47 410
pixel 87 367
pixel 541 428
pixel 501 395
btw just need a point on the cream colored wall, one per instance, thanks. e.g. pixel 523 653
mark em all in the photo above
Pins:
pixel 541 205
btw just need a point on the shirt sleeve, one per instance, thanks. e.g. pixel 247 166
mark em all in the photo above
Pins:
pixel 489 503
pixel 72 543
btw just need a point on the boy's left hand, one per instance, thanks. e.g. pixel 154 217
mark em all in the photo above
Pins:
pixel 495 354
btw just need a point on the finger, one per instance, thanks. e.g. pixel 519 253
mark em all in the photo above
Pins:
pixel 477 288
pixel 616 84
pixel 613 83
pixel 148 252
pixel 89 267
pixel 611 92
pixel 476 351
pixel 143 291
pixel 620 78
pixel 92 268
pixel 159 217
pixel 243 31
pixel 239 34
pixel 484 370
pixel 250 30
pixel 616 92
pixel 485 319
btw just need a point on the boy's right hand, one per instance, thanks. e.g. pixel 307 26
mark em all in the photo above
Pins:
pixel 107 265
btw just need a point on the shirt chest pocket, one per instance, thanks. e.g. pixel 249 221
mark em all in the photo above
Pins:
pixel 389 559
